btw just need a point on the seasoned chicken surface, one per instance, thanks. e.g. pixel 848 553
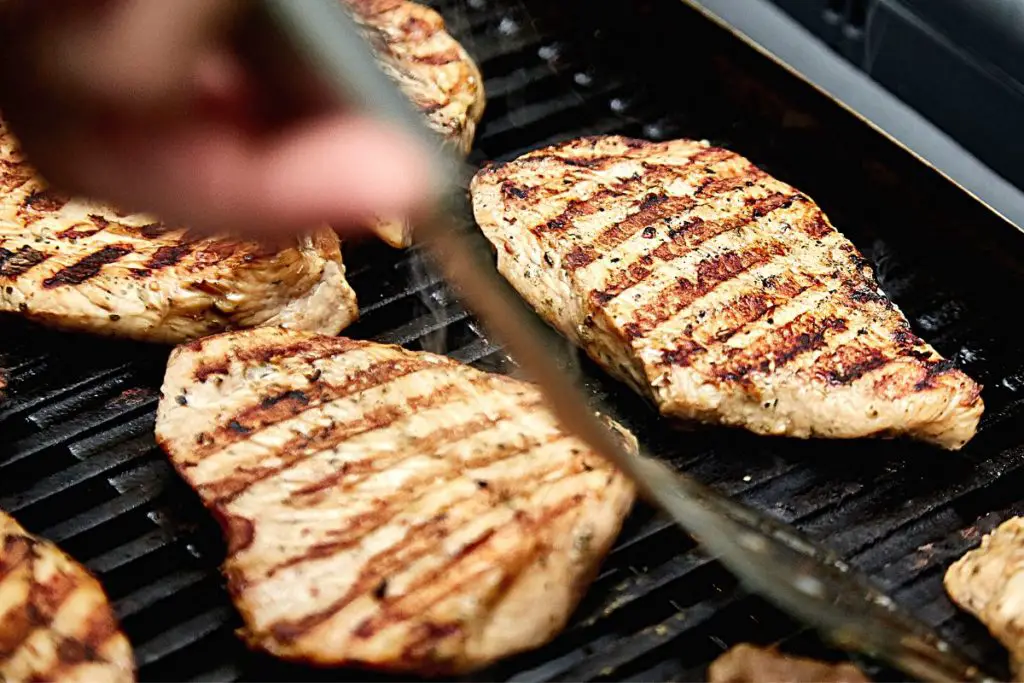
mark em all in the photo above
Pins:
pixel 749 664
pixel 386 508
pixel 718 291
pixel 83 266
pixel 988 582
pixel 55 622
pixel 432 69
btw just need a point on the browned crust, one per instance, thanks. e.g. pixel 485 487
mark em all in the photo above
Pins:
pixel 746 663
pixel 524 537
pixel 646 237
pixel 48 598
pixel 452 95
pixel 85 266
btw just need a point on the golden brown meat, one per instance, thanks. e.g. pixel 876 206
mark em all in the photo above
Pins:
pixel 749 664
pixel 432 69
pixel 720 292
pixel 386 508
pixel 84 266
pixel 988 582
pixel 55 622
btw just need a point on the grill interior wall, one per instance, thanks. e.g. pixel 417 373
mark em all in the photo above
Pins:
pixel 78 463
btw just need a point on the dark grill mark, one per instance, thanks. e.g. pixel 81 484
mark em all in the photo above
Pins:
pixel 256 418
pixel 598 162
pixel 358 471
pixel 154 230
pixel 259 417
pixel 205 370
pixel 437 58
pixel 579 208
pixel 295 396
pixel 685 239
pixel 424 586
pixel 849 363
pixel 511 191
pixel 387 509
pixel 711 273
pixel 934 369
pixel 579 257
pixel 443 582
pixel 714 187
pixel 168 256
pixel 652 209
pixel 681 354
pixel 44 599
pixel 41 202
pixel 17 549
pixel 817 227
pixel 737 315
pixel 14 174
pixel 96 225
pixel 419 541
pixel 15 263
pixel 306 350
pixel 88 267
pixel 780 346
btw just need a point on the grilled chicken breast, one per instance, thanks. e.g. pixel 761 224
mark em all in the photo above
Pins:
pixel 84 266
pixel 723 294
pixel 55 622
pixel 748 664
pixel 988 582
pixel 385 508
pixel 432 69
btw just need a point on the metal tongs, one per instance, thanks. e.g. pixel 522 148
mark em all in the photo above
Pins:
pixel 337 56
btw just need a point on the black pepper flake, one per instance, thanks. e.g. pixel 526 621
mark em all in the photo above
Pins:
pixel 649 232
pixel 181 400
pixel 8 289
pixel 23 307
pixel 482 484
pixel 115 317
pixel 315 375
pixel 771 321
pixel 381 591
pixel 548 260
pixel 237 426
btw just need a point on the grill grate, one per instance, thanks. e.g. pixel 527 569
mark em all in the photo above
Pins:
pixel 79 464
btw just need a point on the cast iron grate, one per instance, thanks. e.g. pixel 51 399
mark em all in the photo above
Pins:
pixel 79 465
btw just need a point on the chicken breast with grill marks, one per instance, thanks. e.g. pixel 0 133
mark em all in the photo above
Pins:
pixel 988 582
pixel 432 69
pixel 720 292
pixel 749 664
pixel 55 622
pixel 83 266
pixel 386 508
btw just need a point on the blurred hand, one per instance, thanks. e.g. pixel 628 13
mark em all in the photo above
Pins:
pixel 145 104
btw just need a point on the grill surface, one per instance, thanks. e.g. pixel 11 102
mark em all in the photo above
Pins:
pixel 79 465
